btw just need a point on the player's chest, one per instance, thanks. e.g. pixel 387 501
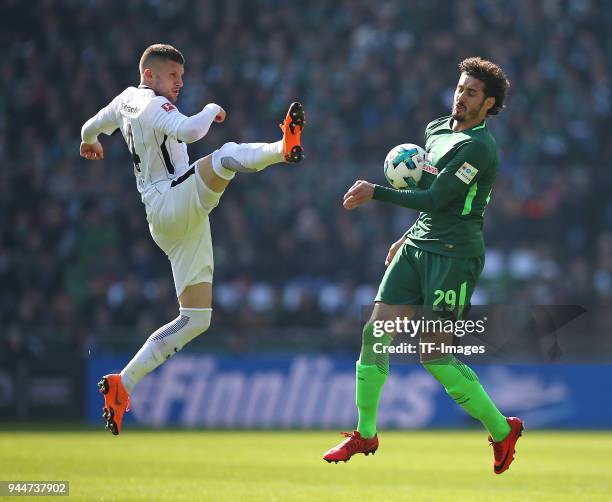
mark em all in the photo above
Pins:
pixel 440 148
pixel 439 152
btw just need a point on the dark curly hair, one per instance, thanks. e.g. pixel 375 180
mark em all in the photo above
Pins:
pixel 492 76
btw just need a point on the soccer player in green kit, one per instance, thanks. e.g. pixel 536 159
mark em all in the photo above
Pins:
pixel 438 261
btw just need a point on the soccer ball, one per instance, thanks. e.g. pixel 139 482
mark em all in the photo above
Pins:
pixel 404 166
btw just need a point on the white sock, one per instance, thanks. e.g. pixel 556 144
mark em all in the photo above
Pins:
pixel 234 158
pixel 164 343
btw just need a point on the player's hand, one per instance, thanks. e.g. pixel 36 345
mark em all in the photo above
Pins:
pixel 393 250
pixel 220 117
pixel 360 193
pixel 92 151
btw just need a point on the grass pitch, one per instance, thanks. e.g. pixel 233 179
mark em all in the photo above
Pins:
pixel 287 466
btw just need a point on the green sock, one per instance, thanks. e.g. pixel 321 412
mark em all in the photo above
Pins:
pixel 371 373
pixel 462 384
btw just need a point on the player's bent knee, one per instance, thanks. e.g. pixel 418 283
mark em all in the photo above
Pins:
pixel 229 157
pixel 198 319
pixel 197 296
pixel 209 199
pixel 174 336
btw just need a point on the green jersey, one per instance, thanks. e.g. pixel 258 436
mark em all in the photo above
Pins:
pixel 454 193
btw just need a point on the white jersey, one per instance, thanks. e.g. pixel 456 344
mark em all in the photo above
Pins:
pixel 149 124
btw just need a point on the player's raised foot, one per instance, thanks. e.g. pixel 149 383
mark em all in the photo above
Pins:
pixel 292 131
pixel 503 451
pixel 116 402
pixel 353 444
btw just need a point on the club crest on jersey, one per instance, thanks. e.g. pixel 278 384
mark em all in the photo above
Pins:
pixel 466 172
pixel 168 107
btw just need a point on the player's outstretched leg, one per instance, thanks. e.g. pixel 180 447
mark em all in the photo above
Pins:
pixel 234 158
pixel 116 401
pixel 503 451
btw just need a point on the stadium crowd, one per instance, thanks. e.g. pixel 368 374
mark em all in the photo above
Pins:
pixel 76 259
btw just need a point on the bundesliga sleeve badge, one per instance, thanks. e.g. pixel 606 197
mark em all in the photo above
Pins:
pixel 466 173
pixel 168 107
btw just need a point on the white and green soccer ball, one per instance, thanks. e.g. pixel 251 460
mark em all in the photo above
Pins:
pixel 404 166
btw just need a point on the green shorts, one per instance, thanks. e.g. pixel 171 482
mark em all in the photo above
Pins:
pixel 420 278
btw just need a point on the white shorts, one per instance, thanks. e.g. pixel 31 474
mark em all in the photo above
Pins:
pixel 178 220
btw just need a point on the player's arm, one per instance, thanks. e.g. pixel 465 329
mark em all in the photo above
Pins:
pixel 197 126
pixel 169 121
pixel 395 247
pixel 105 121
pixel 451 184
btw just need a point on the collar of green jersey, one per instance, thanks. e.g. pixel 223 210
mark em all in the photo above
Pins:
pixel 474 128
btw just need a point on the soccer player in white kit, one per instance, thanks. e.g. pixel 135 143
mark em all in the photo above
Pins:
pixel 177 196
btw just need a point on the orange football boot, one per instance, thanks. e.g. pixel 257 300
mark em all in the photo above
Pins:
pixel 292 131
pixel 116 401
